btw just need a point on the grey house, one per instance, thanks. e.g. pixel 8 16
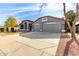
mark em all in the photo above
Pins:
pixel 49 24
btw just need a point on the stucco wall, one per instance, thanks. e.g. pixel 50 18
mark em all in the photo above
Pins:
pixel 39 25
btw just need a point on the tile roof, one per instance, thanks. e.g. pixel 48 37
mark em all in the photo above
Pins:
pixel 26 21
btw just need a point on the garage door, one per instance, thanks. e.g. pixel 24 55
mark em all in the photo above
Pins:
pixel 36 28
pixel 54 27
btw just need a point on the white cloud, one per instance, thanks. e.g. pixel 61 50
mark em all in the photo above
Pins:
pixel 53 9
pixel 49 9
pixel 35 7
pixel 70 6
pixel 54 6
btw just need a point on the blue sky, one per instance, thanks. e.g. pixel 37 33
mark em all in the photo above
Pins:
pixel 30 11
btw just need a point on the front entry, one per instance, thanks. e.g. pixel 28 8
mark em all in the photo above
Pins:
pixel 30 27
pixel 12 29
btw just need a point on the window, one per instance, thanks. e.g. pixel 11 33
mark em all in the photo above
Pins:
pixel 44 19
pixel 21 27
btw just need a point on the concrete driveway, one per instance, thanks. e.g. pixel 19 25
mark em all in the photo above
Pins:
pixel 40 35
pixel 30 44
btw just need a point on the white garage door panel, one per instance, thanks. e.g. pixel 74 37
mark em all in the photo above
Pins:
pixel 37 28
pixel 52 28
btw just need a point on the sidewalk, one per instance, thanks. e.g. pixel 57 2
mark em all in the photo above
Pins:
pixel 15 45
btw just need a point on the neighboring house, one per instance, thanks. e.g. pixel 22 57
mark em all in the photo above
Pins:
pixel 49 24
pixel 26 25
pixel 12 29
pixel 77 23
pixel 1 28
pixel 9 29
pixel 77 28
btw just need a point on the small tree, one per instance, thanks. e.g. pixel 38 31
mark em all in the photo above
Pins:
pixel 11 22
pixel 70 16
pixel 70 19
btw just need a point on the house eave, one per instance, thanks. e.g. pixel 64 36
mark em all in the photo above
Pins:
pixel 51 17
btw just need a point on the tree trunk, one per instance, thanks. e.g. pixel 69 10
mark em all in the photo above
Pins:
pixel 73 38
pixel 73 31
